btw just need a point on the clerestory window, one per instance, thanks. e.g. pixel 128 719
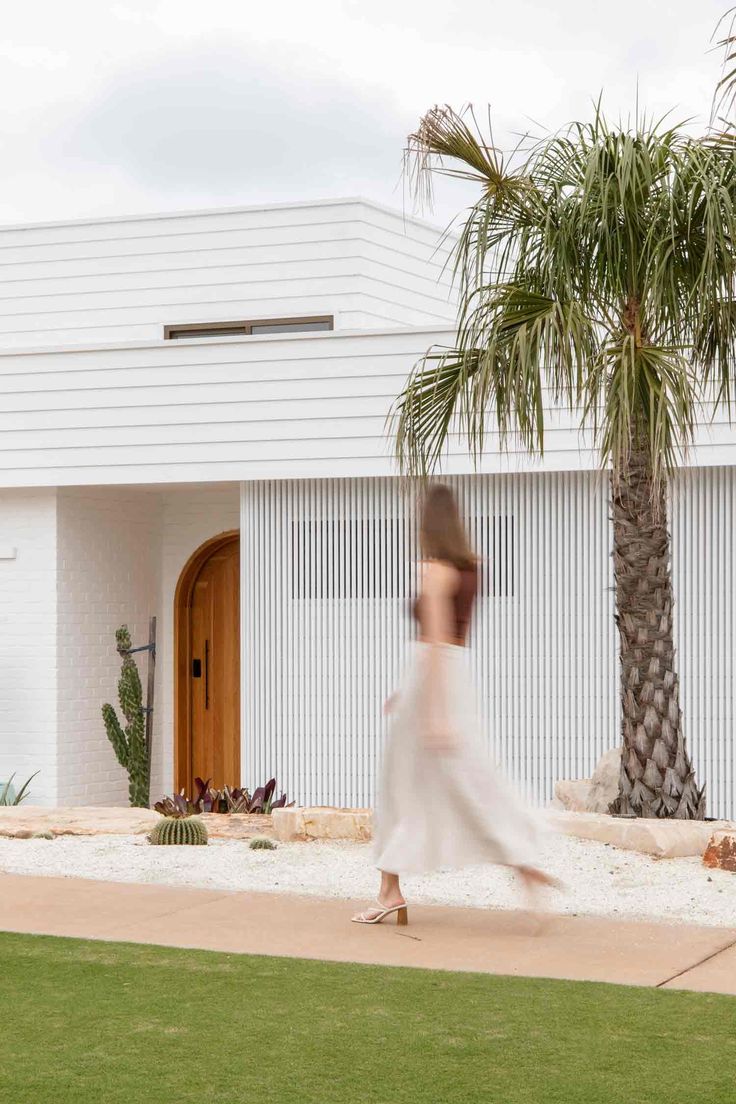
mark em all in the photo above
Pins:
pixel 251 327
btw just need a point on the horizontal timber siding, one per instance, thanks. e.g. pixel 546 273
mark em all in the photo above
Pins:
pixel 120 280
pixel 270 407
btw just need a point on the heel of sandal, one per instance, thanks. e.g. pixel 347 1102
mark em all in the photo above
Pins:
pixel 402 917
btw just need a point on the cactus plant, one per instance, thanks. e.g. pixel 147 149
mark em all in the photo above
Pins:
pixel 178 831
pixel 262 843
pixel 130 742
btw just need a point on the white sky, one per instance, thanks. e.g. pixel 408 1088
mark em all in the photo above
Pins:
pixel 113 108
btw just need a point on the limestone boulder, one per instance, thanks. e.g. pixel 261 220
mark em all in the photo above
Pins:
pixel 22 821
pixel 590 795
pixel 322 823
pixel 572 794
pixel 237 826
pixel 720 854
pixel 666 839
pixel 605 781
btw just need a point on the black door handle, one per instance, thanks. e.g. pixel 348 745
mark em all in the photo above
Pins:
pixel 206 674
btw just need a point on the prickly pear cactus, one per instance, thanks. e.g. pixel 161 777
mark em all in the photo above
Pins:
pixel 130 742
pixel 178 831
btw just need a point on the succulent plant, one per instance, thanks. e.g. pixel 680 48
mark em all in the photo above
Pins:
pixel 262 843
pixel 179 831
pixel 130 742
pixel 228 800
pixel 43 835
pixel 8 796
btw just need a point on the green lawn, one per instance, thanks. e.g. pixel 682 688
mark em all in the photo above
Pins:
pixel 118 1024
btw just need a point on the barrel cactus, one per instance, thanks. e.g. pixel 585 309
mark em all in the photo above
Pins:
pixel 262 843
pixel 178 831
pixel 130 742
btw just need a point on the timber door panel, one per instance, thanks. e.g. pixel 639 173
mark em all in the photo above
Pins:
pixel 214 668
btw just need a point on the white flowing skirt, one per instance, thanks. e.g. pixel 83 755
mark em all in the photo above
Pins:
pixel 437 809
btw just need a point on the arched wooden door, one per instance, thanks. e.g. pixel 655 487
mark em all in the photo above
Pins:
pixel 208 665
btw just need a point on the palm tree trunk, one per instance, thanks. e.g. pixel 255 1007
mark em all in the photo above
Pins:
pixel 657 777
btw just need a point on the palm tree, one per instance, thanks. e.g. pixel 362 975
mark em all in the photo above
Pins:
pixel 598 264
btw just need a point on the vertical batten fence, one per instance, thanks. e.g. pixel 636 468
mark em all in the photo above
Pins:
pixel 327 582
pixel 328 574
pixel 704 547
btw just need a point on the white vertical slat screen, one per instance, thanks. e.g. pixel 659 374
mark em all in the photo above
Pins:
pixel 327 581
pixel 704 551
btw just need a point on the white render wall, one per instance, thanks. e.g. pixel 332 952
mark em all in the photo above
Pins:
pixel 122 279
pixel 108 568
pixel 28 658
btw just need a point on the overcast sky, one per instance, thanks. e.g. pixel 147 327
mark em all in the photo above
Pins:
pixel 114 108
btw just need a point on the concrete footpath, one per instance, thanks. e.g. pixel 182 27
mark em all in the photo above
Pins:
pixel 581 948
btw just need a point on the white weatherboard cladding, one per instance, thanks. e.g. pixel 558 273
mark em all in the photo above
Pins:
pixel 326 587
pixel 326 592
pixel 121 280
pixel 302 406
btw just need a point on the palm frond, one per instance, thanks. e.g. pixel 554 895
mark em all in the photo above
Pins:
pixel 600 273
pixel 725 90
pixel 422 416
pixel 444 142
pixel 642 397
pixel 504 343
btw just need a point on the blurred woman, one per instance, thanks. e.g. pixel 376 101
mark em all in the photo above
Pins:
pixel 441 804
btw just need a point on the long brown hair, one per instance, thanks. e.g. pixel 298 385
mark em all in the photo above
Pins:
pixel 442 534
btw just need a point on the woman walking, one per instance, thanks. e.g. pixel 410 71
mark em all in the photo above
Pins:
pixel 441 804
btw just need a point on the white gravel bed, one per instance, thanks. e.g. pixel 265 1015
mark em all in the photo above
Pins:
pixel 601 880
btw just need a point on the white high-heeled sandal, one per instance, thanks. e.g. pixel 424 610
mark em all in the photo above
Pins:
pixel 401 911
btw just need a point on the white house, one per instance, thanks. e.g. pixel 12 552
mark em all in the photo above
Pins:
pixel 192 425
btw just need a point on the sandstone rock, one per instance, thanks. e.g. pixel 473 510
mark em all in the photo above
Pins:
pixel 82 821
pixel 237 826
pixel 591 795
pixel 666 839
pixel 720 854
pixel 322 823
pixel 573 794
pixel 605 781
pixel 24 821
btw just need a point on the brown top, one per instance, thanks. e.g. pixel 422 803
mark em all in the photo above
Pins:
pixel 462 602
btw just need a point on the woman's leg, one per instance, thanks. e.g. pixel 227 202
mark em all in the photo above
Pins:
pixel 389 896
pixel 390 892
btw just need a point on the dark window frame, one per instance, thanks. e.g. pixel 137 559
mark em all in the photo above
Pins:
pixel 243 328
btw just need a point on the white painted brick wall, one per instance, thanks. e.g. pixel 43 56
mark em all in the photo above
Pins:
pixel 190 516
pixel 89 560
pixel 28 639
pixel 108 574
